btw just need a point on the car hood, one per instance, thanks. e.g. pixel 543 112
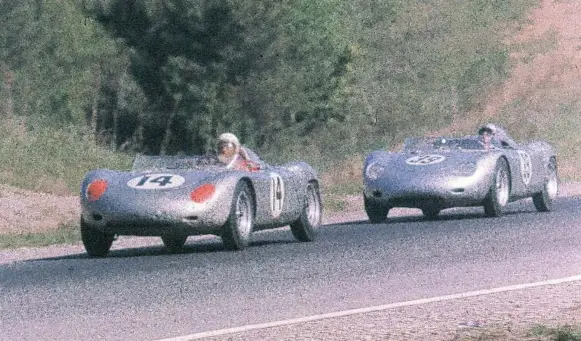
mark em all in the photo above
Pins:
pixel 431 162
pixel 151 184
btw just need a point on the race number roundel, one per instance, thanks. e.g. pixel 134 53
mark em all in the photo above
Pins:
pixel 276 194
pixel 526 166
pixel 423 160
pixel 156 181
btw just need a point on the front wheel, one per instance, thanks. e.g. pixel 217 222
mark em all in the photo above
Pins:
pixel 499 192
pixel 375 211
pixel 96 243
pixel 430 213
pixel 174 243
pixel 236 232
pixel 304 229
pixel 543 200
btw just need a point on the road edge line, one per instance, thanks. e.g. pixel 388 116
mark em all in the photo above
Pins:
pixel 234 330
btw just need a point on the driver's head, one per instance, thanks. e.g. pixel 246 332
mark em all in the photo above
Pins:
pixel 485 134
pixel 228 146
pixel 485 130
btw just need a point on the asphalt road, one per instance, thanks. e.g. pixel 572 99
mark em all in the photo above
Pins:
pixel 147 294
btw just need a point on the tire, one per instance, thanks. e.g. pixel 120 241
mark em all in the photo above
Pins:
pixel 237 230
pixel 430 213
pixel 97 243
pixel 499 193
pixel 174 243
pixel 304 229
pixel 543 200
pixel 376 212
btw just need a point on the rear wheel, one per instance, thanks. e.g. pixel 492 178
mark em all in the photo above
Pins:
pixel 376 212
pixel 544 200
pixel 174 243
pixel 236 232
pixel 97 243
pixel 304 229
pixel 499 192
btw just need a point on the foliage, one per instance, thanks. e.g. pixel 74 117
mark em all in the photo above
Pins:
pixel 311 80
pixel 51 160
pixel 49 52
pixel 423 63
pixel 560 333
pixel 210 66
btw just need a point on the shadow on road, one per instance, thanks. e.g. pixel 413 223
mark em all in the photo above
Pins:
pixel 191 247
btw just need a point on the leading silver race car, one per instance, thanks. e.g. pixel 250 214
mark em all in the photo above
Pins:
pixel 175 197
pixel 433 174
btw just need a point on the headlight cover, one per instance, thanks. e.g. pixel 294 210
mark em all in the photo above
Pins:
pixel 96 189
pixel 374 171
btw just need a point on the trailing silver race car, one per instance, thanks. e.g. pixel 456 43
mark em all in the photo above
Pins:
pixel 174 197
pixel 433 174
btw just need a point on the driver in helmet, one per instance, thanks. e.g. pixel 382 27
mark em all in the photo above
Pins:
pixel 233 155
pixel 500 137
pixel 485 134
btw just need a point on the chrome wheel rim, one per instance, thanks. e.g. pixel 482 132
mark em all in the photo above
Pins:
pixel 313 207
pixel 243 215
pixel 502 187
pixel 552 185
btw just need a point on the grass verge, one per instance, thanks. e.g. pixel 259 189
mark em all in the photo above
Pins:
pixel 561 333
pixel 49 160
pixel 537 333
pixel 65 234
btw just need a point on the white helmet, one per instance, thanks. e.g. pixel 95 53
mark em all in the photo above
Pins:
pixel 229 138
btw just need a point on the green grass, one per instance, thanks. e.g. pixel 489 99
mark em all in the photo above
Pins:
pixel 537 333
pixel 560 333
pixel 65 234
pixel 50 160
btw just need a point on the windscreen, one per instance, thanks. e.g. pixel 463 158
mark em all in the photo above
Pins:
pixel 158 162
pixel 439 143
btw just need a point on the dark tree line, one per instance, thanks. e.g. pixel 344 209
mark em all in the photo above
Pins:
pixel 167 76
pixel 209 66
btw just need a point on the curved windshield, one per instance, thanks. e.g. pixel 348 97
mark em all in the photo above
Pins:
pixel 158 162
pixel 443 143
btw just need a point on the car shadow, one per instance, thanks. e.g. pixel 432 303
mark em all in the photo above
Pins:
pixel 446 216
pixel 192 247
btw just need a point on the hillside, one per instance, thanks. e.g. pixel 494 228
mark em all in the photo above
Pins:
pixel 540 99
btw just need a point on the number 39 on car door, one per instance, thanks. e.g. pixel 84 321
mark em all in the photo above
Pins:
pixel 276 194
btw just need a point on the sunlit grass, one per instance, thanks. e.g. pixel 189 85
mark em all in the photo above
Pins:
pixel 51 160
pixel 68 233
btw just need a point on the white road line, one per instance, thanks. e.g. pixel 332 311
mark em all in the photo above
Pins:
pixel 250 327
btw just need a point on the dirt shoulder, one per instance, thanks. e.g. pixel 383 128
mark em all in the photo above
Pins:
pixel 26 211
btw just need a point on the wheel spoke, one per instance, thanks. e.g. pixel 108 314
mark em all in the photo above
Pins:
pixel 502 187
pixel 552 185
pixel 312 207
pixel 243 215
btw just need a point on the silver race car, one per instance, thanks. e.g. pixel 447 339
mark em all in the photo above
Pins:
pixel 174 197
pixel 433 174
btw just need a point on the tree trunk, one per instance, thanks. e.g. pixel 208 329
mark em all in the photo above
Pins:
pixel 167 135
pixel 115 128
pixel 95 106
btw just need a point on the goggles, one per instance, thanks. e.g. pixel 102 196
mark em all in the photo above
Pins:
pixel 224 144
